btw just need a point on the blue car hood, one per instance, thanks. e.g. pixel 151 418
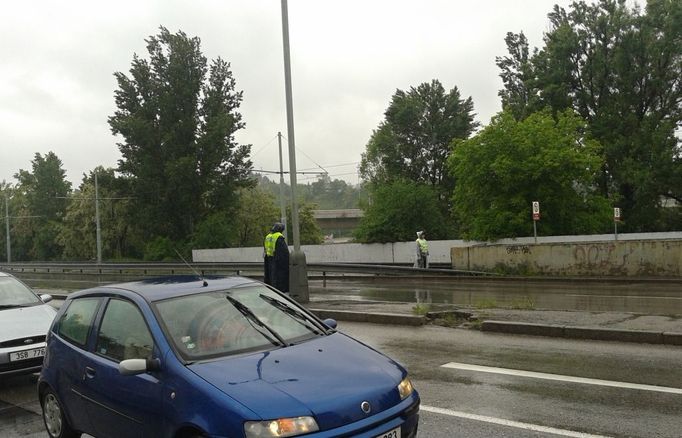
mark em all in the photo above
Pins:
pixel 328 377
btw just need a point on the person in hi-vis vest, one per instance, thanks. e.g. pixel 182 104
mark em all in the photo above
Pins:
pixel 422 250
pixel 276 252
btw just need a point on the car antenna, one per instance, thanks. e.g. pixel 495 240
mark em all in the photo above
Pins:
pixel 205 283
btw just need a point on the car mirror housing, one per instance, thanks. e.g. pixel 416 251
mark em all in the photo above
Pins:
pixel 329 322
pixel 130 367
pixel 46 298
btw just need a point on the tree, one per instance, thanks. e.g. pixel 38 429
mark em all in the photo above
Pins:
pixel 511 163
pixel 178 117
pixel 398 210
pixel 41 196
pixel 619 70
pixel 413 142
pixel 78 234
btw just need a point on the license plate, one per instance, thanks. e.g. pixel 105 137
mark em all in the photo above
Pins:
pixel 27 354
pixel 394 433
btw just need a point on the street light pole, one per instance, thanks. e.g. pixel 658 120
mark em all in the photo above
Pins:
pixel 99 234
pixel 298 279
pixel 9 249
pixel 282 202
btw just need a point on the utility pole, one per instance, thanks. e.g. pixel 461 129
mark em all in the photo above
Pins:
pixel 99 234
pixel 9 249
pixel 282 202
pixel 298 279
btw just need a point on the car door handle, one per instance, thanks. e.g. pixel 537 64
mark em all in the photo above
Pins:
pixel 89 372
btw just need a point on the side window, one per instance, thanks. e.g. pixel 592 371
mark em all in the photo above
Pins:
pixel 76 321
pixel 123 333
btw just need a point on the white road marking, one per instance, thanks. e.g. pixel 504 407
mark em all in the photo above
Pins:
pixel 559 377
pixel 503 422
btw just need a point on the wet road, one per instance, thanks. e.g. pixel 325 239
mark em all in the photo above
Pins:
pixel 626 390
pixel 652 297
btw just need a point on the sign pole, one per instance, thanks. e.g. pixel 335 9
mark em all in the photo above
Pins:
pixel 536 218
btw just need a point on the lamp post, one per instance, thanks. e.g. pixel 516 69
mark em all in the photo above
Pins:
pixel 298 279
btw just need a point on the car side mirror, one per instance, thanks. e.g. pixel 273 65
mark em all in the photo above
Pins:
pixel 46 298
pixel 329 322
pixel 131 367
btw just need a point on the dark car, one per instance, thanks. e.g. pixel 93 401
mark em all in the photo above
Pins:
pixel 218 357
pixel 24 322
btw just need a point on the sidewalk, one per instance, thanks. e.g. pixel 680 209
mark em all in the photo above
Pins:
pixel 611 326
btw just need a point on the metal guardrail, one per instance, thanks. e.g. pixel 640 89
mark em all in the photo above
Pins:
pixel 79 275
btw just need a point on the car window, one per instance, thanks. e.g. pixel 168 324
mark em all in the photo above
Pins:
pixel 15 293
pixel 76 321
pixel 209 325
pixel 123 333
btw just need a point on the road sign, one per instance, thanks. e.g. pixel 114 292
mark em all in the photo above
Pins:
pixel 536 211
pixel 616 214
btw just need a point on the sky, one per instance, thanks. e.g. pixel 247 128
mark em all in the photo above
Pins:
pixel 347 59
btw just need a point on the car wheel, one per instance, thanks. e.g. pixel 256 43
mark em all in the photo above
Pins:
pixel 55 421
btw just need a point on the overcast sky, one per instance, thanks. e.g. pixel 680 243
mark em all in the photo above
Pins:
pixel 348 58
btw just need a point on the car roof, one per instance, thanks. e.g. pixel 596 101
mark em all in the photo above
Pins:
pixel 160 288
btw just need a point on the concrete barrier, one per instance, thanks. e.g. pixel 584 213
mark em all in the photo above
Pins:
pixel 651 257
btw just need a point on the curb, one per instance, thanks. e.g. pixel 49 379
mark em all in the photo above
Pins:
pixel 376 318
pixel 592 333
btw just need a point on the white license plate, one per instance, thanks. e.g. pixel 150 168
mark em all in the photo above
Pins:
pixel 27 354
pixel 394 433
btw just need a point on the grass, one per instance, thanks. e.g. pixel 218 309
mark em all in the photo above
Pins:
pixel 420 309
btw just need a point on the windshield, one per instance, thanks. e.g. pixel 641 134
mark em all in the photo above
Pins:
pixel 215 324
pixel 14 293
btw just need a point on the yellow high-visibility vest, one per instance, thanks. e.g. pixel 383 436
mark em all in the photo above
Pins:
pixel 423 246
pixel 270 243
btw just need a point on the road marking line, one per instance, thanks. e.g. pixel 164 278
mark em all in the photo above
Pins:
pixel 510 423
pixel 559 377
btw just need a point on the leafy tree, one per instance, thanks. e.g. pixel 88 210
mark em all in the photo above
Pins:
pixel 41 203
pixel 309 232
pixel 413 142
pixel 178 117
pixel 511 163
pixel 78 234
pixel 398 210
pixel 619 69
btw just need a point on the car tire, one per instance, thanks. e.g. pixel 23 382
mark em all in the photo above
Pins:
pixel 56 424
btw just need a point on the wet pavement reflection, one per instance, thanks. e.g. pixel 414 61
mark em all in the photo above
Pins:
pixel 648 297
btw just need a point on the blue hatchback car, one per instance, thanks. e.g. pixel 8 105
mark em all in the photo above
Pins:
pixel 187 357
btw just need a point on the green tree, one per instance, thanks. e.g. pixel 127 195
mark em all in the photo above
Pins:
pixel 119 235
pixel 619 69
pixel 413 141
pixel 511 163
pixel 398 210
pixel 309 232
pixel 178 117
pixel 41 195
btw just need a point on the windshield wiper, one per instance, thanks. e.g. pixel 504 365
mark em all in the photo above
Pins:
pixel 300 317
pixel 13 306
pixel 252 318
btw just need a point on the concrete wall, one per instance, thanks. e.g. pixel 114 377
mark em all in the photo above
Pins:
pixel 631 254
pixel 625 257
pixel 398 252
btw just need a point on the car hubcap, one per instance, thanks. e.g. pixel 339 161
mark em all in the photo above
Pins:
pixel 53 415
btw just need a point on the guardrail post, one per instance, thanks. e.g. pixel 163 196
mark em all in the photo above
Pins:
pixel 324 278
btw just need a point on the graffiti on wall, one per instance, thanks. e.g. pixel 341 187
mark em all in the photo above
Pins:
pixel 518 249
pixel 596 255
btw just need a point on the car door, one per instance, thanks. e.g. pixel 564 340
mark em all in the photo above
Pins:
pixel 122 406
pixel 65 353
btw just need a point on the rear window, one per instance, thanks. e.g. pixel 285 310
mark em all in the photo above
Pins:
pixel 75 323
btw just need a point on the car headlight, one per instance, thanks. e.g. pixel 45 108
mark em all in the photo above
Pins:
pixel 281 427
pixel 405 388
